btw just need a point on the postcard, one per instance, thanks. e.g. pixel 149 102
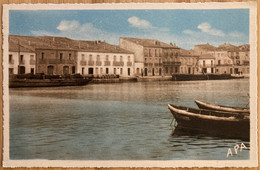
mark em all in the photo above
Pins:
pixel 130 85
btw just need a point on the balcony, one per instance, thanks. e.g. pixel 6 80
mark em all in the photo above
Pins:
pixel 172 63
pixel 129 63
pixel 32 62
pixel 98 63
pixel 21 62
pixel 106 63
pixel 207 65
pixel 118 63
pixel 69 61
pixel 61 62
pixel 44 61
pixel 11 61
pixel 91 63
pixel 83 62
pixel 52 61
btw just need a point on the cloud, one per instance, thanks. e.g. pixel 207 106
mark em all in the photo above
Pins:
pixel 139 23
pixel 206 27
pixel 68 25
pixel 73 29
pixel 236 34
pixel 187 39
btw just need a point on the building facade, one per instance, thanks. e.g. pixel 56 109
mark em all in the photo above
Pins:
pixel 105 63
pixel 56 61
pixel 206 64
pixel 21 58
pixel 152 57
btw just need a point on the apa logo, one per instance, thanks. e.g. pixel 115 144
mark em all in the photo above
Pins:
pixel 236 148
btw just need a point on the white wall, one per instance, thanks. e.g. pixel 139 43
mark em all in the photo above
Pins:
pixel 101 69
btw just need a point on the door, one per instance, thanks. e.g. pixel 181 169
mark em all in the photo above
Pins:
pixel 21 70
pixel 50 70
pixel 145 71
pixel 129 71
pixel 65 70
pixel 90 70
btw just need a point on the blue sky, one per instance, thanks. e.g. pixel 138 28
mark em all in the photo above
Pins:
pixel 185 28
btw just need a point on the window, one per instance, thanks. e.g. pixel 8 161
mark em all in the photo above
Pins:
pixel 114 70
pixel 82 70
pixel 10 58
pixel 42 56
pixel 107 57
pixel 11 71
pixel 204 63
pixel 31 57
pixel 121 70
pixel 82 57
pixel 114 58
pixel 61 55
pixel 121 58
pixel 128 58
pixel 211 62
pixel 32 70
pixel 98 57
pixel 69 56
pixel 107 70
pixel 90 57
pixel 73 69
pixel 21 57
pixel 129 71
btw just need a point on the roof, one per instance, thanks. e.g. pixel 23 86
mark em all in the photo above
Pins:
pixel 207 47
pixel 51 42
pixel 149 42
pixel 187 53
pixel 206 56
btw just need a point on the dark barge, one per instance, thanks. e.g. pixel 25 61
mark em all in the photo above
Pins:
pixel 41 80
pixel 192 77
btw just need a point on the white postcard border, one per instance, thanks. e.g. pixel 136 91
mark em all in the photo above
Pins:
pixel 252 162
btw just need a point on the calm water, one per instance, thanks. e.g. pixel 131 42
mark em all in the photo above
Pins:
pixel 128 121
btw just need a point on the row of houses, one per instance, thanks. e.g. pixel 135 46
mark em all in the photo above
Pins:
pixel 133 57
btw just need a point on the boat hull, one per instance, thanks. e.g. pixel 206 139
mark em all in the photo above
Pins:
pixel 223 127
pixel 16 83
pixel 203 105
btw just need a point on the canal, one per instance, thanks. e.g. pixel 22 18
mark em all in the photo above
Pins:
pixel 123 121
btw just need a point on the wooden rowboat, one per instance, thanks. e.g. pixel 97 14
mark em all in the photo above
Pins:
pixel 212 123
pixel 204 105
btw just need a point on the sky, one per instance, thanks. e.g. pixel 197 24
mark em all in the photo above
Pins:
pixel 185 28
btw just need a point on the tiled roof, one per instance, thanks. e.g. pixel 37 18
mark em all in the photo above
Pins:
pixel 51 42
pixel 206 47
pixel 149 42
pixel 206 56
pixel 187 53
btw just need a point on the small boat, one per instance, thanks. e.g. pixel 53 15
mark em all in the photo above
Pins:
pixel 204 105
pixel 209 122
pixel 237 76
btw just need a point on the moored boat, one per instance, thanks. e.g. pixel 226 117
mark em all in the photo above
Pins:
pixel 212 123
pixel 204 105
pixel 46 81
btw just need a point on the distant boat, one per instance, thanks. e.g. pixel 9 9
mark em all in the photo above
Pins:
pixel 41 80
pixel 237 76
pixel 204 105
pixel 212 123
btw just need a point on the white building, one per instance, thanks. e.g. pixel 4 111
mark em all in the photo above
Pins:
pixel 105 63
pixel 21 58
pixel 206 63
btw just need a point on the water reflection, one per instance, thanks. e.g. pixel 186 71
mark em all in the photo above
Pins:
pixel 128 121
